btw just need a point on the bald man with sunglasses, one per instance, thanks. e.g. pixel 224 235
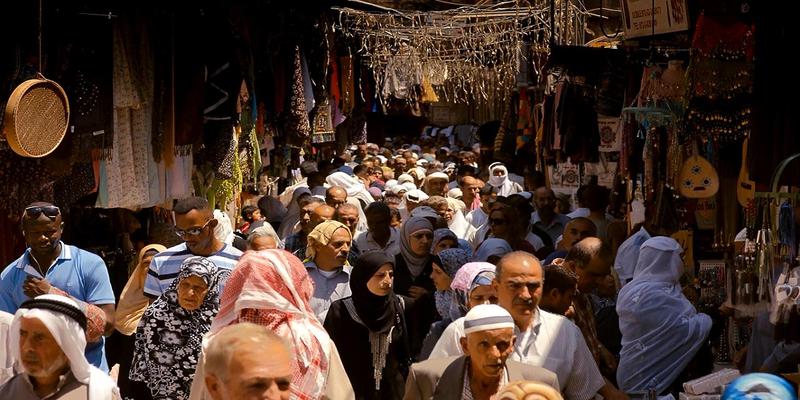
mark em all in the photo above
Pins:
pixel 49 266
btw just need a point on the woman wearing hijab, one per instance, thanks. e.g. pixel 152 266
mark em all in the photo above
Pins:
pixel 661 330
pixel 445 267
pixel 271 288
pixel 132 303
pixel 498 178
pixel 443 238
pixel 471 286
pixel 491 250
pixel 413 267
pixel 370 329
pixel 170 333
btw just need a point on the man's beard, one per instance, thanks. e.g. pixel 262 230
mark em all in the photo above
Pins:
pixel 50 368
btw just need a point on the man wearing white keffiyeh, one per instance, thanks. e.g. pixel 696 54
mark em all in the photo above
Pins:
pixel 49 335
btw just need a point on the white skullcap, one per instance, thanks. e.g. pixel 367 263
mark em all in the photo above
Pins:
pixel 382 158
pixel 422 162
pixel 438 175
pixel 390 184
pixel 486 317
pixel 403 178
pixel 526 195
pixel 455 193
pixel 409 185
pixel 416 196
pixel 398 189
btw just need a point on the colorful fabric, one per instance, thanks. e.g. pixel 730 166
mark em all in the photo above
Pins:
pixel 272 288
pixel 452 260
pixel 169 338
pixel 470 276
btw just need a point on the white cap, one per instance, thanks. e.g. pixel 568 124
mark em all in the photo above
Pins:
pixel 437 175
pixel 416 196
pixel 486 317
pixel 403 178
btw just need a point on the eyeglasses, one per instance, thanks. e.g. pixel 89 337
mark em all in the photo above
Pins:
pixel 182 233
pixel 497 221
pixel 49 211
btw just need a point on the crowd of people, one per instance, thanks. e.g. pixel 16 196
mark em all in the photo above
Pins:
pixel 413 273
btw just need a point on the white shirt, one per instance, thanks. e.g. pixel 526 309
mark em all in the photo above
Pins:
pixel 477 218
pixel 552 342
pixel 364 243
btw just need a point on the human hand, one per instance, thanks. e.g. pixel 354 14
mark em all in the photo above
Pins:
pixel 33 287
pixel 416 292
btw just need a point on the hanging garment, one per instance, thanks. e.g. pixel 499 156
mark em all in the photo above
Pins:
pixel 127 180
pixel 298 127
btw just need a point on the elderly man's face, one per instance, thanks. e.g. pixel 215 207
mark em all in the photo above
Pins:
pixel 349 217
pixel 335 197
pixel 333 254
pixel 488 351
pixel 251 376
pixel 42 357
pixel 577 231
pixel 519 288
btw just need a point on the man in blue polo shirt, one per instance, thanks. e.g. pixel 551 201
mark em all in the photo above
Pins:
pixel 51 266
pixel 194 223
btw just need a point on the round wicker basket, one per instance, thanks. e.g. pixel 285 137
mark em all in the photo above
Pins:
pixel 36 117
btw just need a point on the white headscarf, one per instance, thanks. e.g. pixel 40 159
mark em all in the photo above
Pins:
pixel 72 340
pixel 224 229
pixel 661 330
pixel 628 255
pixel 6 362
pixel 504 185
pixel 353 187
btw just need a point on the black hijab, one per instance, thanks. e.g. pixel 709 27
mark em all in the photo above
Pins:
pixel 377 312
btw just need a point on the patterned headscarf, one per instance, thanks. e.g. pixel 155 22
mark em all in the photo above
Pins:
pixel 470 276
pixel 169 338
pixel 323 233
pixel 272 288
pixel 451 261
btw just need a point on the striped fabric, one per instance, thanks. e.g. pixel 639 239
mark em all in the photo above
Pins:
pixel 165 266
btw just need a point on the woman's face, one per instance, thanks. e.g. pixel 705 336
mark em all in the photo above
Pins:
pixel 498 223
pixel 440 278
pixel 381 282
pixel 421 242
pixel 148 257
pixel 444 244
pixel 191 292
pixel 485 294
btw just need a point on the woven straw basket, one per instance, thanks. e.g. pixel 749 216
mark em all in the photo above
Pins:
pixel 36 119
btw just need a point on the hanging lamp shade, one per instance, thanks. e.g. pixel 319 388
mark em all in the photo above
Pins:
pixel 36 117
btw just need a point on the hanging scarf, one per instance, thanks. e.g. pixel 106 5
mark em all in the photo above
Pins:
pixel 272 288
pixel 297 124
pixel 451 261
pixel 378 314
pixel 169 338
pixel 469 277
pixel 132 301
pixel 415 263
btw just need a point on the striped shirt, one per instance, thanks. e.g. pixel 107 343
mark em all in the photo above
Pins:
pixel 166 265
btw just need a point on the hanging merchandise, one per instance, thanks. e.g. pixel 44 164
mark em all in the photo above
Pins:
pixel 298 127
pixel 36 117
pixel 720 79
pixel 469 54
pixel 610 134
pixel 323 131
pixel 698 178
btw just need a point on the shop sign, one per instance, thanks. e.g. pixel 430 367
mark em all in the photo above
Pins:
pixel 640 15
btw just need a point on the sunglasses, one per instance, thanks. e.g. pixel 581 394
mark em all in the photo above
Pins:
pixel 182 233
pixel 49 211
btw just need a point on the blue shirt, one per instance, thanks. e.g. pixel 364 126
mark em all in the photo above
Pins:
pixel 166 265
pixel 327 289
pixel 78 272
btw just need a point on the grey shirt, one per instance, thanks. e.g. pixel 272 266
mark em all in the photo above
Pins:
pixel 21 388
pixel 328 287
